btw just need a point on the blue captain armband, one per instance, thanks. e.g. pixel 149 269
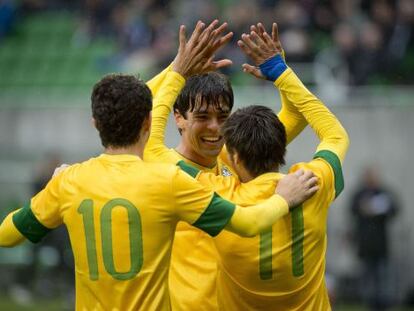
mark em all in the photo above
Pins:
pixel 273 67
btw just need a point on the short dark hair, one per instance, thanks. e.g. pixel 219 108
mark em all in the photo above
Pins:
pixel 120 104
pixel 259 138
pixel 213 88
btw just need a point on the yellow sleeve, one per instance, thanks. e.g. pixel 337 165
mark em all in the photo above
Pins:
pixel 37 217
pixel 291 118
pixel 199 205
pixel 332 135
pixel 155 83
pixel 156 150
pixel 252 220
pixel 9 235
pixel 46 205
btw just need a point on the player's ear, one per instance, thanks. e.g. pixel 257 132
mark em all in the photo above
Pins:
pixel 233 157
pixel 179 120
pixel 236 158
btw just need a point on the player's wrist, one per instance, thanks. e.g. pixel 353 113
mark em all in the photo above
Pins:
pixel 273 68
pixel 279 201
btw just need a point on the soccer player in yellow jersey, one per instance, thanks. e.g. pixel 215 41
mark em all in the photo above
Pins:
pixel 203 104
pixel 283 269
pixel 121 212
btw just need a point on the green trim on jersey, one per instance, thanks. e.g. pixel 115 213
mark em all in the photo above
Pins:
pixel 335 163
pixel 189 169
pixel 28 225
pixel 216 216
pixel 298 236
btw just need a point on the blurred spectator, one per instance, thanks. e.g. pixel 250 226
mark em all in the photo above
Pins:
pixel 370 56
pixel 333 65
pixel 373 205
pixel 401 43
pixel 357 42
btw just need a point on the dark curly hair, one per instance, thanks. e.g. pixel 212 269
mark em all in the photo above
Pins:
pixel 120 104
pixel 212 88
pixel 257 135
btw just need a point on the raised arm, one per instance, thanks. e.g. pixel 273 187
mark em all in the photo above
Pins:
pixel 327 127
pixel 266 53
pixel 259 47
pixel 155 83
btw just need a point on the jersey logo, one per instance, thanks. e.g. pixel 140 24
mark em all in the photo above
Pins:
pixel 225 171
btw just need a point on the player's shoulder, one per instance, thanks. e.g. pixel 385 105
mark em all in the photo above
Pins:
pixel 330 175
pixel 315 165
pixel 163 169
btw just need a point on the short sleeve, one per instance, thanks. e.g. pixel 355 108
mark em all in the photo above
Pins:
pixel 200 206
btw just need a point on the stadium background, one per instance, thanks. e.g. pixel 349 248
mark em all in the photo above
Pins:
pixel 356 55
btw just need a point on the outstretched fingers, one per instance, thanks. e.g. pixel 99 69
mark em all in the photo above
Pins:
pixel 254 71
pixel 275 33
pixel 182 38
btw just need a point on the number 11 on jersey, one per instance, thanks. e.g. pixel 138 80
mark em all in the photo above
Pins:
pixel 265 248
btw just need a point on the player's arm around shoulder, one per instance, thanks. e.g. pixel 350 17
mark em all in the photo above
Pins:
pixel 205 209
pixel 291 191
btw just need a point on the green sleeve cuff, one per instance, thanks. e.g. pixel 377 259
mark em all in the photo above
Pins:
pixel 28 225
pixel 189 169
pixel 335 163
pixel 216 216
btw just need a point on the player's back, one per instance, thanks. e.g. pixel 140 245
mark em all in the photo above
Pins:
pixel 120 216
pixel 283 268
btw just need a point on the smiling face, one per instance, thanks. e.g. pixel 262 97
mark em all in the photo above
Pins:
pixel 201 140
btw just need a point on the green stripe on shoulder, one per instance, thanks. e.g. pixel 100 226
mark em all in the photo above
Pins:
pixel 28 225
pixel 216 216
pixel 335 163
pixel 189 169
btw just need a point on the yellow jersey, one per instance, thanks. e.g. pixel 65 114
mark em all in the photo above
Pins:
pixel 283 268
pixel 193 271
pixel 121 214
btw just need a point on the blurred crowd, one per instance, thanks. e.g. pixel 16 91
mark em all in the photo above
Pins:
pixel 357 42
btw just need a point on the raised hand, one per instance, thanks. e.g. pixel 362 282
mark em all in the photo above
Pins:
pixel 259 46
pixel 196 55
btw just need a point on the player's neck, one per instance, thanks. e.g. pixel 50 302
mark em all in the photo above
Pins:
pixel 135 149
pixel 244 175
pixel 189 154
